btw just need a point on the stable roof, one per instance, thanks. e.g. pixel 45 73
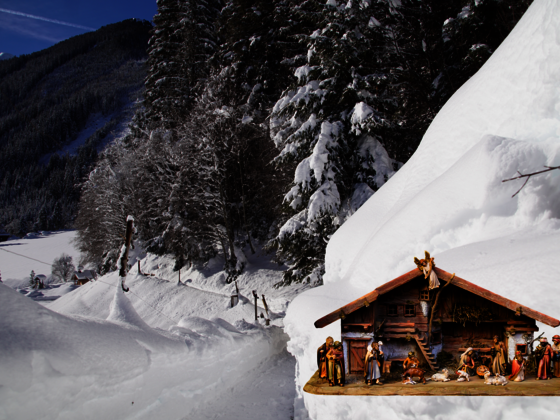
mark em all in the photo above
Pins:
pixel 442 275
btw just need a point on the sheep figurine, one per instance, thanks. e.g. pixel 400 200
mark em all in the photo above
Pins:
pixel 497 380
pixel 463 376
pixel 442 376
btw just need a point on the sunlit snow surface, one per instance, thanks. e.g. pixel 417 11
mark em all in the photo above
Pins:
pixel 43 248
pixel 161 351
pixel 449 199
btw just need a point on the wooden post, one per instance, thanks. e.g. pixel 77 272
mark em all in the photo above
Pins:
pixel 124 255
pixel 434 306
pixel 139 271
pixel 266 309
pixel 235 297
pixel 256 297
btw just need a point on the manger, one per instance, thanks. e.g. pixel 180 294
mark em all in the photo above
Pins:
pixel 430 332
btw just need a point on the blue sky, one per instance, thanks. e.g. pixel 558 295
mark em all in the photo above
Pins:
pixel 32 25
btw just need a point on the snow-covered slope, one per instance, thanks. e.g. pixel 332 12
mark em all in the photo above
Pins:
pixel 164 350
pixel 55 366
pixel 449 199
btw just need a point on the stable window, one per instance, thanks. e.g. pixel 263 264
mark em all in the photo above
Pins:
pixel 424 294
pixel 522 348
pixel 392 310
pixel 409 310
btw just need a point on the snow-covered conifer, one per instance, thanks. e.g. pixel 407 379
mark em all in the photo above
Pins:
pixel 329 124
pixel 182 42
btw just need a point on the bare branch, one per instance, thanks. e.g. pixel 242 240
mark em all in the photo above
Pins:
pixel 548 169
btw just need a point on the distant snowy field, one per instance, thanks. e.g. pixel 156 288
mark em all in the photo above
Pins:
pixel 449 199
pixel 36 252
pixel 164 350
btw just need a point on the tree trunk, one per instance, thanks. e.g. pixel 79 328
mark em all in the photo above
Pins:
pixel 124 258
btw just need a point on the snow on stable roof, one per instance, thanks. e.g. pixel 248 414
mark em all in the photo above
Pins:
pixel 443 275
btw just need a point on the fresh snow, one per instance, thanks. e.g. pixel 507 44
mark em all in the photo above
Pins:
pixel 165 350
pixel 449 199
pixel 178 351
pixel 43 248
pixel 98 121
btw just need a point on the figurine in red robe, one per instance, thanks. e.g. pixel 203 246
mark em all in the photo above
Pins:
pixel 543 354
pixel 556 355
pixel 411 361
pixel 517 368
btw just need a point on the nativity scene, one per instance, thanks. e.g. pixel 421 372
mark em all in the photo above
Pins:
pixel 432 327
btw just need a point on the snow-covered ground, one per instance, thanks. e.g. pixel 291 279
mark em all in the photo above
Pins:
pixel 449 199
pixel 179 351
pixel 34 252
pixel 164 350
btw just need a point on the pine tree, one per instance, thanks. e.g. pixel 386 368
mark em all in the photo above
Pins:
pixel 330 124
pixel 182 42
pixel 107 199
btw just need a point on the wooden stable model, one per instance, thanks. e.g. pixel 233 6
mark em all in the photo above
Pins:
pixel 407 316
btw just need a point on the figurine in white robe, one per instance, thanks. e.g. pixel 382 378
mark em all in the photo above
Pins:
pixel 426 266
pixel 431 274
pixel 372 363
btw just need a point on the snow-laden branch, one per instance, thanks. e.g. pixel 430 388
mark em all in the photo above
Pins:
pixel 548 169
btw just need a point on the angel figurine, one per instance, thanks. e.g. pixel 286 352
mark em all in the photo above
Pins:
pixel 426 266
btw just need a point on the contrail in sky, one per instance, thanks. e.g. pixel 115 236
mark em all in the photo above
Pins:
pixel 59 22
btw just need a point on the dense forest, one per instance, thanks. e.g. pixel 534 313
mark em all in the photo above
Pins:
pixel 269 123
pixel 48 98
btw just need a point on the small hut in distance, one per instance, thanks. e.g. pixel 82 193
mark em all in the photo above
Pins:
pixel 407 316
pixel 81 277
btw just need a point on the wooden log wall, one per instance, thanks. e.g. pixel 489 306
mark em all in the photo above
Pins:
pixel 403 296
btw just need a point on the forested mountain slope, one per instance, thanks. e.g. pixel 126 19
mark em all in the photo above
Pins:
pixel 47 100
pixel 286 117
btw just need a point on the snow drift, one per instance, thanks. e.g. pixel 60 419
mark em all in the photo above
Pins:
pixel 57 366
pixel 449 199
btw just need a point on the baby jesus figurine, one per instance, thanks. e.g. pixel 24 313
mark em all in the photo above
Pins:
pixel 426 266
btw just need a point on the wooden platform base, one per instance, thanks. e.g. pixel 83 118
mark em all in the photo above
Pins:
pixel 356 386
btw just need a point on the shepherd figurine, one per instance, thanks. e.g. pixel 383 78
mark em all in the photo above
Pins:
pixel 372 363
pixel 426 266
pixel 322 362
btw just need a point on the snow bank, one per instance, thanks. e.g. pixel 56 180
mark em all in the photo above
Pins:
pixel 162 303
pixel 162 350
pixel 54 366
pixel 449 199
